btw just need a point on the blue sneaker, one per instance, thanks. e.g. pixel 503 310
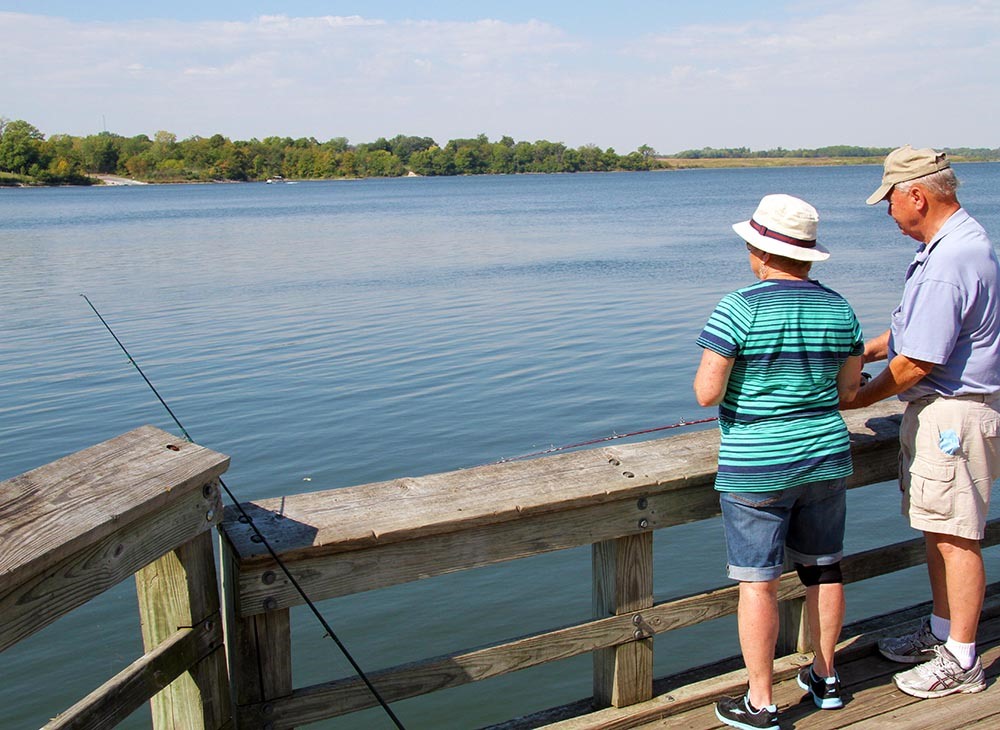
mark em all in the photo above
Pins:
pixel 737 712
pixel 825 693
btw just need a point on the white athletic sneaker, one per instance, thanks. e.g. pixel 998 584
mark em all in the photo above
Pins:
pixel 941 676
pixel 913 648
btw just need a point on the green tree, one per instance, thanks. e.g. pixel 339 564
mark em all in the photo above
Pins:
pixel 502 158
pixel 379 163
pixel 591 158
pixel 403 147
pixel 337 144
pixel 233 163
pixel 422 161
pixel 100 152
pixel 20 147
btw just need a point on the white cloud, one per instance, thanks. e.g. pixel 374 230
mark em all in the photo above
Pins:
pixel 807 75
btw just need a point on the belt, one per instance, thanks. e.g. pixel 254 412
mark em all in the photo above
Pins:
pixel 977 397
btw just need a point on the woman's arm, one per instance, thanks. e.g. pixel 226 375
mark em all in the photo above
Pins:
pixel 849 378
pixel 712 378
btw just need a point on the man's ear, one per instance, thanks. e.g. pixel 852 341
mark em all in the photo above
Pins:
pixel 919 197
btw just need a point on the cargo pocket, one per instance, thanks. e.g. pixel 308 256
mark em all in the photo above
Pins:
pixel 991 426
pixel 932 488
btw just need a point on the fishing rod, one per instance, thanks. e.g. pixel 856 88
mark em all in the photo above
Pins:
pixel 245 517
pixel 612 437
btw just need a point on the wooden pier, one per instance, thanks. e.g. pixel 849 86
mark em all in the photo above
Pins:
pixel 143 504
pixel 872 701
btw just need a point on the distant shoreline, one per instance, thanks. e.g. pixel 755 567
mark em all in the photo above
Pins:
pixel 682 163
pixel 663 164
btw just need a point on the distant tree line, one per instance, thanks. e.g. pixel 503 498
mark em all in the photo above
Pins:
pixel 839 151
pixel 27 156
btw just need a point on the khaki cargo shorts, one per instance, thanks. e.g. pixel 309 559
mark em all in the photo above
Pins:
pixel 948 458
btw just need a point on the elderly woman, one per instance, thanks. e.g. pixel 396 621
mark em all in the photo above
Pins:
pixel 779 355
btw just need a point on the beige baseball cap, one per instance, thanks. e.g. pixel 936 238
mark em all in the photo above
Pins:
pixel 904 164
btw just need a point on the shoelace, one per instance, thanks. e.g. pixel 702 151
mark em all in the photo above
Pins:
pixel 940 668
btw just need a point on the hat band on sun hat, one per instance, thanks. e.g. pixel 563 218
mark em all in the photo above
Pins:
pixel 768 233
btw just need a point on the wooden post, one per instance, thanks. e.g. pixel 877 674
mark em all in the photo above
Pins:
pixel 260 650
pixel 180 590
pixel 623 584
pixel 793 624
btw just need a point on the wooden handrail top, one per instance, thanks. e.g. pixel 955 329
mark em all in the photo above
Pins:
pixel 59 509
pixel 370 515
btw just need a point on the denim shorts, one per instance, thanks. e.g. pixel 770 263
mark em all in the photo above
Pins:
pixel 805 522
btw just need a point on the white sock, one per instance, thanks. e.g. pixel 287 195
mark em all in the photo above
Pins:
pixel 829 680
pixel 940 627
pixel 965 653
pixel 756 711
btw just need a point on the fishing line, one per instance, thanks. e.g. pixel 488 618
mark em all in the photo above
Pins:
pixel 246 518
pixel 612 437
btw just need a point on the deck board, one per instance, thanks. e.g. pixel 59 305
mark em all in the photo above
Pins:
pixel 872 700
pixel 686 700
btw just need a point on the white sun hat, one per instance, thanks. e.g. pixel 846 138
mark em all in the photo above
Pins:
pixel 785 226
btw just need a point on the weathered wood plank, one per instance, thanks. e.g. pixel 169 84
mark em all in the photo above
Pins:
pixel 352 518
pixel 623 585
pixel 117 698
pixel 33 604
pixel 328 576
pixel 341 697
pixel 873 701
pixel 177 591
pixel 72 504
pixel 793 622
pixel 260 648
pixel 324 574
pixel 686 704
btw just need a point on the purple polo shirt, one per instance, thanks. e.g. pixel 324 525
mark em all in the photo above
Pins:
pixel 950 312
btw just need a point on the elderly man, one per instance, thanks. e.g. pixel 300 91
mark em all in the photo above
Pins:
pixel 944 362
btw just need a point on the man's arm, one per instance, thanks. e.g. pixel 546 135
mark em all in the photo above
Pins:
pixel 878 348
pixel 902 374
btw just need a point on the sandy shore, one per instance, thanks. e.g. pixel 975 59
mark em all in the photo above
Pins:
pixel 115 180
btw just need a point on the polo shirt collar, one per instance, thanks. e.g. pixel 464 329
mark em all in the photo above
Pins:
pixel 956 219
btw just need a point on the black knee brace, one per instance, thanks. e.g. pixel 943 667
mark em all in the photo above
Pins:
pixel 813 575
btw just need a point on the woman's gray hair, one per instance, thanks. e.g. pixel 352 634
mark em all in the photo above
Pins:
pixel 941 184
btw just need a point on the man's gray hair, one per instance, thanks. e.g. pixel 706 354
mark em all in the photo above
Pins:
pixel 941 184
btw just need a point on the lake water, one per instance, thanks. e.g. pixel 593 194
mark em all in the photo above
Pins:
pixel 326 334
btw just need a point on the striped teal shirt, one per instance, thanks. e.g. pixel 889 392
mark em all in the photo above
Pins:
pixel 779 419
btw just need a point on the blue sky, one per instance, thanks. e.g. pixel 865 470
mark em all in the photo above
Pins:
pixel 671 75
pixel 583 17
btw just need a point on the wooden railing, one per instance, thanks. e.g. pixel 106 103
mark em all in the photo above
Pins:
pixel 356 539
pixel 141 504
